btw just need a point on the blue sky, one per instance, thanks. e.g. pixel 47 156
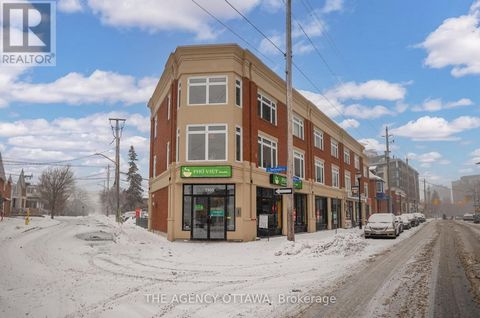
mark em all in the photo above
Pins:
pixel 411 65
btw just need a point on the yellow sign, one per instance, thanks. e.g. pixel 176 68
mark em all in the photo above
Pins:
pixel 27 217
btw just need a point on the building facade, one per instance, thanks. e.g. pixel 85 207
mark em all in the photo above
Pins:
pixel 218 123
pixel 404 183
pixel 5 190
pixel 466 194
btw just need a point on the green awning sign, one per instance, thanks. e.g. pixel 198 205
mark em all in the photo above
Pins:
pixel 206 171
pixel 278 179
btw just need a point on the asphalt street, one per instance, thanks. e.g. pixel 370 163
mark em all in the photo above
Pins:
pixel 434 273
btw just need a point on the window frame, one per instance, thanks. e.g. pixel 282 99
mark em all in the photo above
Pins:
pixel 177 146
pixel 238 143
pixel 179 93
pixel 205 133
pixel 348 185
pixel 272 105
pixel 169 105
pixel 297 120
pixel 154 166
pixel 155 129
pixel 207 91
pixel 301 156
pixel 318 133
pixel 260 155
pixel 356 161
pixel 337 170
pixel 168 154
pixel 346 155
pixel 334 142
pixel 238 85
pixel 319 164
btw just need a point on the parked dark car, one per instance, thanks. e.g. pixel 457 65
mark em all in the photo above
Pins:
pixel 476 218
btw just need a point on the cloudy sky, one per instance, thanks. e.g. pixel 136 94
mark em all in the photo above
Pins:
pixel 412 65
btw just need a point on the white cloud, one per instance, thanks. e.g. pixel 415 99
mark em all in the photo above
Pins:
pixel 429 158
pixel 372 144
pixel 75 89
pixel 456 43
pixel 465 170
pixel 332 6
pixel 167 15
pixel 373 89
pixel 436 128
pixel 432 105
pixel 365 112
pixel 69 6
pixel 330 107
pixel 349 123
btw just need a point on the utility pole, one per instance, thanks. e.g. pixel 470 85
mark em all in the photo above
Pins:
pixel 289 102
pixel 108 189
pixel 117 131
pixel 387 157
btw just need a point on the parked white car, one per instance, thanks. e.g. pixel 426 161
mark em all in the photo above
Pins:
pixel 382 224
pixel 407 221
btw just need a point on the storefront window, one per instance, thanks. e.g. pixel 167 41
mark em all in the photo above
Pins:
pixel 300 210
pixel 336 212
pixel 270 204
pixel 321 213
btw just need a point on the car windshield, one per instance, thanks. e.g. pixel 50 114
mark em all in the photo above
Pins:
pixel 380 218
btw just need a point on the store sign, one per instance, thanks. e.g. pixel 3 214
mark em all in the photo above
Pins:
pixel 217 213
pixel 206 171
pixel 263 221
pixel 278 179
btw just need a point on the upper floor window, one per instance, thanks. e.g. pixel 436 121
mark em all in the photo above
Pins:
pixel 238 92
pixel 357 162
pixel 318 138
pixel 267 109
pixel 169 106
pixel 168 154
pixel 267 152
pixel 238 143
pixel 335 177
pixel 379 185
pixel 155 126
pixel 179 93
pixel 207 143
pixel 177 146
pixel 319 171
pixel 334 150
pixel 207 90
pixel 346 155
pixel 298 164
pixel 365 189
pixel 154 166
pixel 298 127
pixel 348 181
pixel 365 171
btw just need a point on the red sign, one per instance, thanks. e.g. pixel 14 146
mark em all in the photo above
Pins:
pixel 137 213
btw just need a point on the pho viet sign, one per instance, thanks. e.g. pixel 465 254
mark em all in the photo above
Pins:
pixel 278 179
pixel 206 171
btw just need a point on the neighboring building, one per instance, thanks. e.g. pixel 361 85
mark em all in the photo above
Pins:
pixel 19 195
pixel 403 182
pixel 33 200
pixel 377 195
pixel 465 192
pixel 5 190
pixel 444 193
pixel 218 120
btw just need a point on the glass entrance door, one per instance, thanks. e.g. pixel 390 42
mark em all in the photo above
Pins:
pixel 216 218
pixel 200 218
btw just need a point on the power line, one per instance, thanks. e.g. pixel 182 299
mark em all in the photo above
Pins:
pixel 255 27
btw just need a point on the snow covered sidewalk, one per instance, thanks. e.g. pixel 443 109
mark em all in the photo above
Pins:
pixel 91 267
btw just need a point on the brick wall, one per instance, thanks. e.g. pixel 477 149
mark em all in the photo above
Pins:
pixel 159 210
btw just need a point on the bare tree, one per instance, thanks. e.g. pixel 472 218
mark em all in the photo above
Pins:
pixel 56 186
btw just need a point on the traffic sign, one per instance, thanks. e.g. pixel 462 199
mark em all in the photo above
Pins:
pixel 277 169
pixel 284 191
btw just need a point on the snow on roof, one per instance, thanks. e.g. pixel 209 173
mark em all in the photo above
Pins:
pixel 371 175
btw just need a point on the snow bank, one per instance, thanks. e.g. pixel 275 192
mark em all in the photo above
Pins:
pixel 343 244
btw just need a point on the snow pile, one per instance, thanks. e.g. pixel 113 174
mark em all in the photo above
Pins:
pixel 341 244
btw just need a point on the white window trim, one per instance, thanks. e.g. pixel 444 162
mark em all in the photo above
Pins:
pixel 206 143
pixel 177 146
pixel 273 104
pixel 334 142
pixel 346 154
pixel 335 168
pixel 154 166
pixel 169 105
pixel 207 91
pixel 271 141
pixel 155 119
pixel 179 93
pixel 319 164
pixel 300 155
pixel 356 161
pixel 241 143
pixel 319 133
pixel 168 154
pixel 241 91
pixel 348 176
pixel 299 121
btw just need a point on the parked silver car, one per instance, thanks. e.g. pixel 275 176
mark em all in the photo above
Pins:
pixel 407 221
pixel 400 224
pixel 382 224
